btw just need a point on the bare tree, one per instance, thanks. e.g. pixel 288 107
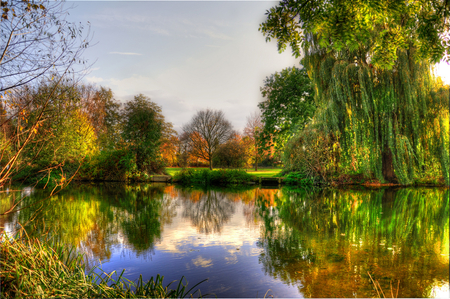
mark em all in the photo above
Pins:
pixel 207 130
pixel 253 130
pixel 37 41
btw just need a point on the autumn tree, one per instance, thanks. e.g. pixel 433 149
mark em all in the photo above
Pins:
pixel 37 43
pixel 234 153
pixel 169 150
pixel 207 130
pixel 253 131
pixel 370 66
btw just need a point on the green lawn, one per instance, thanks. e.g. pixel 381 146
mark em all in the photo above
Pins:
pixel 262 172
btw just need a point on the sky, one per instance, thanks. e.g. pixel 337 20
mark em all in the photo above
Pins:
pixel 185 55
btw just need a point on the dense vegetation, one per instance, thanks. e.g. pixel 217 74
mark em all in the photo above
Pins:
pixel 206 177
pixel 380 112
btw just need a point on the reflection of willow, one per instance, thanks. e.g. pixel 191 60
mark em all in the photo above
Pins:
pixel 208 210
pixel 326 243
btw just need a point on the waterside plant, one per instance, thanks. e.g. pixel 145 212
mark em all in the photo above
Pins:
pixel 31 268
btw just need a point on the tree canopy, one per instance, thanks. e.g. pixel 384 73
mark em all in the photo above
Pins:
pixel 288 107
pixel 370 66
pixel 142 129
pixel 377 29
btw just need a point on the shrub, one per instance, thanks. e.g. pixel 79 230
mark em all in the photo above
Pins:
pixel 206 177
pixel 299 178
pixel 312 153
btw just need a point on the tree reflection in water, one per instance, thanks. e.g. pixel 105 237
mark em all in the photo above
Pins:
pixel 325 243
pixel 208 210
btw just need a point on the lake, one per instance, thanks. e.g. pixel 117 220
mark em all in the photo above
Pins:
pixel 253 242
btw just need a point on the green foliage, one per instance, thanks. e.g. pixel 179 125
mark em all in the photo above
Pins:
pixel 108 133
pixel 311 153
pixel 382 29
pixel 206 177
pixel 370 67
pixel 232 153
pixel 143 131
pixel 299 178
pixel 66 133
pixel 32 268
pixel 385 121
pixel 113 165
pixel 288 107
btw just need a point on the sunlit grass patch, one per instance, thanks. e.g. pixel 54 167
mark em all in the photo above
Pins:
pixel 265 172
pixel 262 172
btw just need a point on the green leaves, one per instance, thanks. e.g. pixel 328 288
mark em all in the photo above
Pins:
pixel 377 29
pixel 289 105
pixel 143 131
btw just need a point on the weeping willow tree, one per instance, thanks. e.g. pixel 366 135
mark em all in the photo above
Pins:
pixel 393 122
pixel 370 62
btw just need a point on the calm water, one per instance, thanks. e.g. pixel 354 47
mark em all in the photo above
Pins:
pixel 292 243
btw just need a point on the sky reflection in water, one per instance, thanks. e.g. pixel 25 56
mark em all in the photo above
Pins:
pixel 294 242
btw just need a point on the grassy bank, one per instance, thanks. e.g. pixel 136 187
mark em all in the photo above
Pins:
pixel 31 268
pixel 262 172
pixel 206 177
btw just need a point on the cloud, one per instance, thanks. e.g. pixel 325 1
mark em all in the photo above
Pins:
pixel 200 261
pixel 125 53
pixel 94 79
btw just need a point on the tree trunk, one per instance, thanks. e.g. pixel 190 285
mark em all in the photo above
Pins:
pixel 210 164
pixel 388 166
pixel 256 162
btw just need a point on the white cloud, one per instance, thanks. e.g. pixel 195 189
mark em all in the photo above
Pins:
pixel 126 53
pixel 94 79
pixel 201 262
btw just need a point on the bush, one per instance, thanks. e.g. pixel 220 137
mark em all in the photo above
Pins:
pixel 312 153
pixel 299 178
pixel 206 177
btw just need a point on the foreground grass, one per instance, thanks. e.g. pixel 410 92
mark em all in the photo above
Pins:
pixel 262 172
pixel 34 269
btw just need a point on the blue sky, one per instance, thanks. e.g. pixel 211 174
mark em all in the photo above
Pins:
pixel 185 55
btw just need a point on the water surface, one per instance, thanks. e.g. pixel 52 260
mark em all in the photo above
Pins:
pixel 292 243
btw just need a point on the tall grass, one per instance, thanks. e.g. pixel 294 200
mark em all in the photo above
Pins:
pixel 31 268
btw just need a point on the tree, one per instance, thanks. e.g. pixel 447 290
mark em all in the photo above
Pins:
pixel 370 66
pixel 207 130
pixel 253 131
pixel 37 41
pixel 65 133
pixel 103 112
pixel 142 129
pixel 234 153
pixel 288 107
pixel 374 30
pixel 169 150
